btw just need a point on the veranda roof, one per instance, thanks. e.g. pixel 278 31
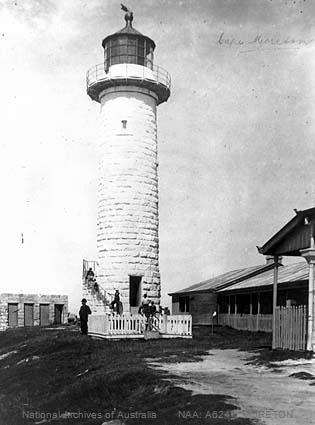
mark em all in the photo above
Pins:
pixel 291 273
pixel 226 279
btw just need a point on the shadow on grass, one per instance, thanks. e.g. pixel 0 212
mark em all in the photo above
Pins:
pixel 257 343
pixel 59 371
pixel 270 358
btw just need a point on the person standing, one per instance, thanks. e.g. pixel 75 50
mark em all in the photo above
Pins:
pixel 145 300
pixel 144 308
pixel 90 274
pixel 116 302
pixel 84 316
pixel 152 309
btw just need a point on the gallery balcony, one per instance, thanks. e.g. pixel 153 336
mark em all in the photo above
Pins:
pixel 155 79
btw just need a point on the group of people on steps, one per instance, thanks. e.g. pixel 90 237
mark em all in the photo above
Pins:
pixel 147 308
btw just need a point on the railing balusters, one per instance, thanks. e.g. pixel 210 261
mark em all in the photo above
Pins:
pixel 160 75
pixel 127 324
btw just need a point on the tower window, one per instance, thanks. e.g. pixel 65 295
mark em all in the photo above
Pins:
pixel 134 291
pixel 124 123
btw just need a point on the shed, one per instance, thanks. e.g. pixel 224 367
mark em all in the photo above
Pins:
pixel 18 310
pixel 201 299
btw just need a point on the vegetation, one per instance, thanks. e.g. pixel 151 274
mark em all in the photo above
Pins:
pixel 47 375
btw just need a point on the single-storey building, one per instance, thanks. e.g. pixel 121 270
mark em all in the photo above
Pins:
pixel 244 293
pixel 272 298
pixel 32 310
pixel 295 239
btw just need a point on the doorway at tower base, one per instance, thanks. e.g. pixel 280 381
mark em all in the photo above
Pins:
pixel 100 295
pixel 114 326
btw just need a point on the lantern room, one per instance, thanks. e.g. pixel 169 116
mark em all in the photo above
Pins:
pixel 128 46
pixel 128 61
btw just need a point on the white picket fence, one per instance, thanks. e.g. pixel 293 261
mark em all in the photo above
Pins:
pixel 291 327
pixel 180 325
pixel 125 324
pixel 247 322
pixel 134 325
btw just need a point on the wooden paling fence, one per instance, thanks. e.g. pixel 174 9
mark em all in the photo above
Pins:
pixel 291 327
pixel 175 324
pixel 247 322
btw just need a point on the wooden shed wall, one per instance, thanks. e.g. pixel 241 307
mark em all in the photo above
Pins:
pixel 201 308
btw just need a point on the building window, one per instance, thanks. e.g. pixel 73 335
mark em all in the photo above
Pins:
pixel 266 303
pixel 124 124
pixel 184 304
pixel 232 304
pixel 135 291
pixel 255 303
pixel 224 304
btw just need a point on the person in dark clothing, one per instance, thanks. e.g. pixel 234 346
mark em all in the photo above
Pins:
pixel 90 273
pixel 84 315
pixel 116 302
pixel 152 309
pixel 146 310
pixel 116 296
pixel 167 311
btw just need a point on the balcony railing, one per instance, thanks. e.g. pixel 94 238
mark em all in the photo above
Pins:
pixel 155 78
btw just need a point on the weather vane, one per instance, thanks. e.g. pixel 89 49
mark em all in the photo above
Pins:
pixel 128 15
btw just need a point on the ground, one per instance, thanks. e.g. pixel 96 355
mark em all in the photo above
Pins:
pixel 57 376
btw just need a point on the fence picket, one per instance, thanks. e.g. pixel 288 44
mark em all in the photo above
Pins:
pixel 277 337
pixel 291 327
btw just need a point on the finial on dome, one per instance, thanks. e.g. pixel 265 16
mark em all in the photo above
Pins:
pixel 128 15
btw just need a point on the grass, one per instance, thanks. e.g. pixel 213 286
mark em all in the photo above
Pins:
pixel 58 371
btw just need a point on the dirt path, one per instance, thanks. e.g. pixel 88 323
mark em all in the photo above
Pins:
pixel 269 395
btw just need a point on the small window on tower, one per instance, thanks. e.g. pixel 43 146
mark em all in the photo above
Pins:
pixel 124 123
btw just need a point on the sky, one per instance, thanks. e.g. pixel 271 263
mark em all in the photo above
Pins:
pixel 236 137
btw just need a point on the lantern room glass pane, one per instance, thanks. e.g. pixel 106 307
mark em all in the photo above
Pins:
pixel 148 48
pixel 140 51
pixel 128 49
pixel 122 40
pixel 123 50
pixel 114 60
pixel 132 50
pixel 114 51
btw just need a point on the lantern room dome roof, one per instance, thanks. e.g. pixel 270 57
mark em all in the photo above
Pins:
pixel 128 30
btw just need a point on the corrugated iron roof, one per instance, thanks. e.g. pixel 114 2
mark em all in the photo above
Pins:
pixel 221 280
pixel 295 229
pixel 290 273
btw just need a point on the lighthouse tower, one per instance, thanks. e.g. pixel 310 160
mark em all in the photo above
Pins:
pixel 128 86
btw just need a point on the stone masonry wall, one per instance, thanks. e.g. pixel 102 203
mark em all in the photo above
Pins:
pixel 34 299
pixel 96 299
pixel 128 221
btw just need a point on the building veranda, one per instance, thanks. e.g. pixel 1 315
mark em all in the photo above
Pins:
pixel 270 297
